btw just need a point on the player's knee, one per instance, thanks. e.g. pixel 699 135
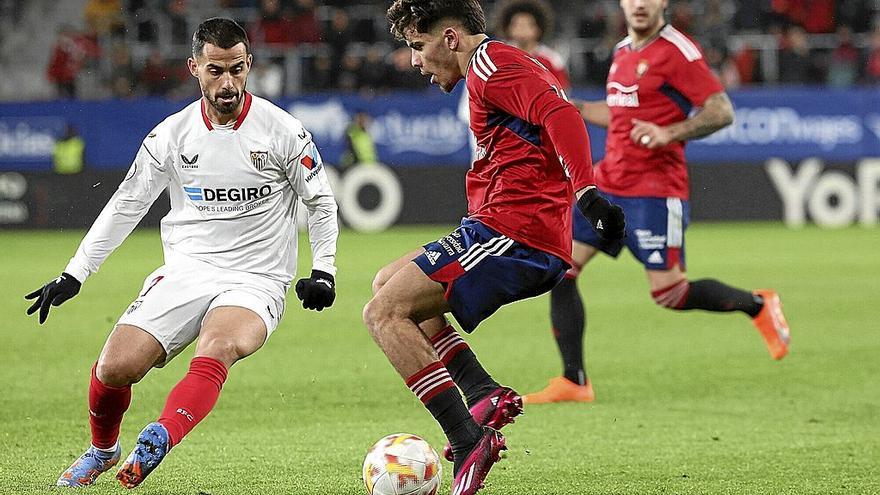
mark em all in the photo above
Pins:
pixel 379 281
pixel 672 296
pixel 378 312
pixel 116 372
pixel 222 349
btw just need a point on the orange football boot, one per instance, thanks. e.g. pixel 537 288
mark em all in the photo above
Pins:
pixel 561 389
pixel 772 325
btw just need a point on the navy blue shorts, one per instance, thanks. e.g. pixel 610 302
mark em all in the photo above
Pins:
pixel 483 270
pixel 654 230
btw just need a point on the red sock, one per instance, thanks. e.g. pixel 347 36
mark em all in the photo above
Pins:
pixel 106 406
pixel 193 397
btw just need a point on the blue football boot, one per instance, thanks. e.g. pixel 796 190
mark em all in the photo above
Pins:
pixel 152 446
pixel 86 469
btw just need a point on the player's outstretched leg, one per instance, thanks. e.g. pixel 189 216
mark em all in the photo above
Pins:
pixel 762 306
pixel 127 356
pixel 228 334
pixel 490 404
pixel 391 316
pixel 569 321
pixel 189 402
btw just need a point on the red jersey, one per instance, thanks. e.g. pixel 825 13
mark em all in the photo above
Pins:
pixel 532 149
pixel 659 82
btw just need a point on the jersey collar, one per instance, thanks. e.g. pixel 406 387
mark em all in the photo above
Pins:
pixel 471 61
pixel 240 120
pixel 655 37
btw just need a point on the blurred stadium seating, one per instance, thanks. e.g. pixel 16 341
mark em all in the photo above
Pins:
pixel 126 48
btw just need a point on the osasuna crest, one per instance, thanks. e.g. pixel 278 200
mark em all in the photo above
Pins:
pixel 260 159
pixel 641 68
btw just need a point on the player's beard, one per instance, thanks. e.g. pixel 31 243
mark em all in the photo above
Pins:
pixel 222 107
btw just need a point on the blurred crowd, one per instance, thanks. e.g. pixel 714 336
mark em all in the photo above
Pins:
pixel 138 47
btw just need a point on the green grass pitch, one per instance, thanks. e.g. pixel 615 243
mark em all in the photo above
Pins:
pixel 686 403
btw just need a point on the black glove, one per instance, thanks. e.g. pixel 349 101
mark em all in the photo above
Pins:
pixel 53 294
pixel 316 292
pixel 607 219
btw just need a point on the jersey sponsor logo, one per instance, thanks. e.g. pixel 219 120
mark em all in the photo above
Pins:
pixel 260 159
pixel 227 194
pixel 647 240
pixel 312 163
pixel 630 100
pixel 626 96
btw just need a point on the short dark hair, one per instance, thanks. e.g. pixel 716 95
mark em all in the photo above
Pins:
pixel 220 32
pixel 423 15
pixel 538 9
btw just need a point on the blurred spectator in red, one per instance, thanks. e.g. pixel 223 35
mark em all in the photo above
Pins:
pixel 104 16
pixel 816 16
pixel 746 62
pixel 872 65
pixel 843 68
pixel 65 62
pixel 682 17
pixel 274 26
pixel 305 23
pixel 156 77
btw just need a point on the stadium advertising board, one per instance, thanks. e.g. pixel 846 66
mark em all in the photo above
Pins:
pixel 423 129
pixel 374 197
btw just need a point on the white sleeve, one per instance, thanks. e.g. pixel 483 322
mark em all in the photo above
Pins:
pixel 145 181
pixel 305 170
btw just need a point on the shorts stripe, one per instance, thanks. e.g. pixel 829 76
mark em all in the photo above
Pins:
pixel 496 249
pixel 674 231
pixel 477 247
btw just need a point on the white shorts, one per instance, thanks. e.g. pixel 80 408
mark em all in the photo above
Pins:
pixel 175 299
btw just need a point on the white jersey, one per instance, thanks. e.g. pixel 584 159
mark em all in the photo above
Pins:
pixel 234 193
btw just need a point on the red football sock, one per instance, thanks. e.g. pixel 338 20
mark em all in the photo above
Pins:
pixel 193 397
pixel 106 406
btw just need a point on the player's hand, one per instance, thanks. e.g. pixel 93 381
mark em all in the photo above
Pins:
pixel 649 135
pixel 607 219
pixel 316 292
pixel 53 294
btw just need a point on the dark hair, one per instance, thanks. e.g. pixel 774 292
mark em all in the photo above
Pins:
pixel 538 9
pixel 422 15
pixel 220 32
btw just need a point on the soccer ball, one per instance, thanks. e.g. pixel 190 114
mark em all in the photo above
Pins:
pixel 402 464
